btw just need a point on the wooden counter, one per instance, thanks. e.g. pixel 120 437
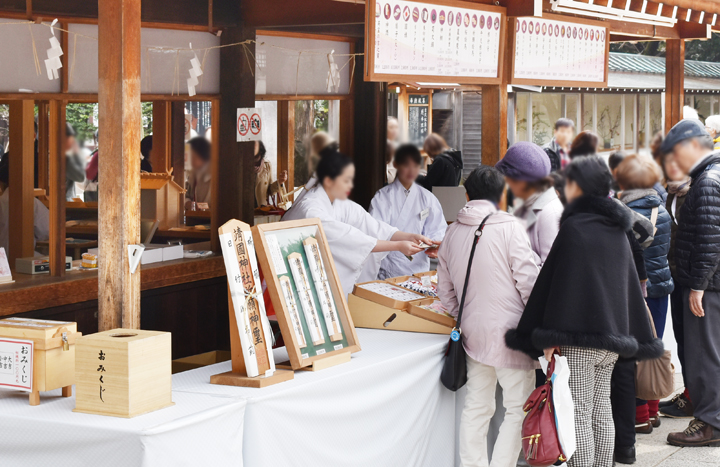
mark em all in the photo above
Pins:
pixel 35 292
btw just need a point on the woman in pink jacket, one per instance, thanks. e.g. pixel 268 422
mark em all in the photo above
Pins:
pixel 502 276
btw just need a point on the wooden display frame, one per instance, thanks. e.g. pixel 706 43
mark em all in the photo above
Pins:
pixel 238 376
pixel 548 82
pixel 371 75
pixel 262 247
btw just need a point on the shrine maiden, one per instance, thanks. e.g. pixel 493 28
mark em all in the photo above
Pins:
pixel 352 234
pixel 406 205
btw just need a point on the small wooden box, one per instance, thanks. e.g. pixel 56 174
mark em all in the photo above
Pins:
pixel 53 366
pixel 123 372
pixel 382 299
pixel 369 314
pixel 416 309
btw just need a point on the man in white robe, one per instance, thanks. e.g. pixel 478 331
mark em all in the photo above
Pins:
pixel 409 207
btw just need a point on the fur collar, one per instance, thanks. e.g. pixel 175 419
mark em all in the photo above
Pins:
pixel 605 207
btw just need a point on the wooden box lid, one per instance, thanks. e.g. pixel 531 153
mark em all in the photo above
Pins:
pixel 45 334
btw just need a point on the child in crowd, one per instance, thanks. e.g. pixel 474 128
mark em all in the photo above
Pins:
pixel 411 208
pixel 502 275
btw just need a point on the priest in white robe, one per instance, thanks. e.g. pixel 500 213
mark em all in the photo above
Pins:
pixel 409 207
pixel 352 234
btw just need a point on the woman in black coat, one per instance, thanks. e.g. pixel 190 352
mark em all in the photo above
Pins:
pixel 587 302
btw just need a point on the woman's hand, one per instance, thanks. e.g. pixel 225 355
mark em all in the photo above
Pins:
pixel 549 353
pixel 412 237
pixel 696 305
pixel 408 248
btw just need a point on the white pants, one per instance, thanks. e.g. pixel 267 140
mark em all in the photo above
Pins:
pixel 480 407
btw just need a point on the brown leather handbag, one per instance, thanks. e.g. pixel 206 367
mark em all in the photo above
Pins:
pixel 540 441
pixel 655 379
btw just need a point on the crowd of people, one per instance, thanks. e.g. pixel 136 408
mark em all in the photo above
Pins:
pixel 593 257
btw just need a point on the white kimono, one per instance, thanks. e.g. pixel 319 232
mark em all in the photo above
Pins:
pixel 415 211
pixel 351 232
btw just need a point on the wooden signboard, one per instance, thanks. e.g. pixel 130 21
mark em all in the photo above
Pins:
pixel 446 41
pixel 250 334
pixel 560 51
pixel 306 293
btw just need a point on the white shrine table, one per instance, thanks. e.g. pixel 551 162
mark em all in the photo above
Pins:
pixel 386 407
pixel 198 430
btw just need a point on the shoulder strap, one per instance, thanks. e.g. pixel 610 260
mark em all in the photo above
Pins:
pixel 653 218
pixel 478 234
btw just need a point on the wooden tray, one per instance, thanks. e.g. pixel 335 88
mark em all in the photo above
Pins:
pixel 381 299
pixel 416 310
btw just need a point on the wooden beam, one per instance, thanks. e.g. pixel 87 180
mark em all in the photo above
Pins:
pixel 234 186
pixel 64 58
pixel 269 13
pixel 694 30
pixel 161 136
pixel 119 192
pixel 286 140
pixel 674 82
pixel 370 121
pixel 177 143
pixel 21 149
pixel 42 141
pixel 56 182
pixel 523 7
pixel 642 31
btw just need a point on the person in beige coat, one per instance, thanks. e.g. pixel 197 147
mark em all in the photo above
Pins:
pixel 264 186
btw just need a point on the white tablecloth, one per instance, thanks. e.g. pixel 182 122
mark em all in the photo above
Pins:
pixel 198 430
pixel 386 407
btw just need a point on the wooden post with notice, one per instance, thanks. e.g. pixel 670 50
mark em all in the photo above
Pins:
pixel 120 118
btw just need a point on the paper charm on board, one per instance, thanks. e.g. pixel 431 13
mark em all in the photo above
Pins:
pixel 53 62
pixel 333 80
pixel 195 71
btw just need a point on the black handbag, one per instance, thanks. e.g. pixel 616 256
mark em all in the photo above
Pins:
pixel 454 372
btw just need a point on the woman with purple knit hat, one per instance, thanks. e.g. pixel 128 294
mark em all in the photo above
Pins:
pixel 527 172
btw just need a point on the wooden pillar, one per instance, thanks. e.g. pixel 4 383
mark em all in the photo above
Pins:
pixel 286 140
pixel 371 130
pixel 21 183
pixel 347 127
pixel 495 103
pixel 674 81
pixel 162 137
pixel 233 178
pixel 119 192
pixel 42 140
pixel 56 183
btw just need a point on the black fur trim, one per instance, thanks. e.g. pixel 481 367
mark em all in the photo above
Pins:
pixel 625 346
pixel 651 350
pixel 516 341
pixel 606 207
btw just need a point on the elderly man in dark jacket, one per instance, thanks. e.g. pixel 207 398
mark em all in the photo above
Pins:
pixel 697 255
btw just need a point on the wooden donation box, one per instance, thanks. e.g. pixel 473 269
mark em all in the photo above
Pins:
pixel 123 372
pixel 306 294
pixel 161 198
pixel 53 356
pixel 405 303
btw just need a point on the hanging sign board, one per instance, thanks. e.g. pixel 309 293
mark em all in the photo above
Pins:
pixel 443 41
pixel 249 124
pixel 553 51
pixel 418 111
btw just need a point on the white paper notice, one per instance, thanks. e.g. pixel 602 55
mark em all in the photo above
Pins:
pixel 276 254
pixel 16 364
pixel 561 51
pixel 414 38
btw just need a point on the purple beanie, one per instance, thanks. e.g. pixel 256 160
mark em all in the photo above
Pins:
pixel 525 161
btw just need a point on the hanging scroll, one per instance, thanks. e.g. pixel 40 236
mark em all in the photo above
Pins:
pixel 300 274
pixel 552 51
pixel 246 298
pixel 444 41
